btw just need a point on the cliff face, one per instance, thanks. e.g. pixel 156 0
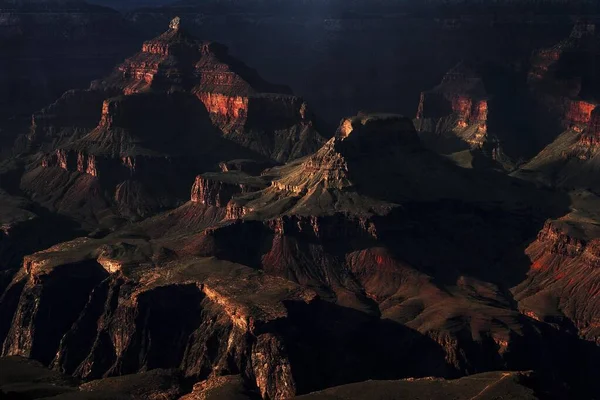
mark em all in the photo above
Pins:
pixel 561 78
pixel 570 162
pixel 22 231
pixel 457 107
pixel 127 161
pixel 588 143
pixel 567 87
pixel 577 114
pixel 136 139
pixel 213 190
pixel 248 110
pixel 561 286
pixel 67 119
pixel 110 322
pixel 259 275
pixel 126 309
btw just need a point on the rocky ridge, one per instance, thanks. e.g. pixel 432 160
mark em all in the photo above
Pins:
pixel 106 147
pixel 262 278
pixel 565 84
pixel 457 107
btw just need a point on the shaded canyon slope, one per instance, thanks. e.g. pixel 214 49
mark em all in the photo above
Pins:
pixel 273 276
pixel 49 47
pixel 562 285
pixel 129 145
pixel 209 242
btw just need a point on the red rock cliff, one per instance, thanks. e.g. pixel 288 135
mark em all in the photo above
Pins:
pixel 457 106
pixel 218 189
pixel 564 275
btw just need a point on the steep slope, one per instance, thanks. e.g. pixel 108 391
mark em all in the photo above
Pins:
pixel 566 69
pixel 129 145
pixel 457 108
pixel 564 82
pixel 352 173
pixel 243 321
pixel 234 95
pixel 561 285
pixel 298 264
pixel 572 161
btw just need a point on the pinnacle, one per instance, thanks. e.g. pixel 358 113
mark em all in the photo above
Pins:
pixel 174 24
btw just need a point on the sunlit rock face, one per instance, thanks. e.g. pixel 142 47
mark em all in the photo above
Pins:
pixel 265 268
pixel 570 162
pixel 217 189
pixel 561 80
pixel 566 90
pixel 564 272
pixel 578 114
pixel 176 109
pixel 239 102
pixel 236 97
pixel 588 143
pixel 458 107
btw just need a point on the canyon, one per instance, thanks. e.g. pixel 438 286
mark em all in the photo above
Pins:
pixel 184 229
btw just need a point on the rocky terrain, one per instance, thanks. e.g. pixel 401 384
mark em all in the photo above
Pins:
pixel 566 247
pixel 105 150
pixel 185 229
pixel 456 109
pixel 348 56
pixel 562 79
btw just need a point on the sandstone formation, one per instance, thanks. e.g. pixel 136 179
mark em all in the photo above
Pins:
pixel 258 276
pixel 562 79
pixel 565 260
pixel 179 230
pixel 562 282
pixel 457 108
pixel 571 161
pixel 236 98
pixel 129 145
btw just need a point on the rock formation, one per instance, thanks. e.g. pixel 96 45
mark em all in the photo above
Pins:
pixel 571 160
pixel 561 284
pixel 562 79
pixel 130 144
pixel 564 82
pixel 458 107
pixel 565 258
pixel 201 240
pixel 246 278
